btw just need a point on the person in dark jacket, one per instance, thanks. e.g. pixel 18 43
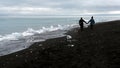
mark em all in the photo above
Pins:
pixel 92 22
pixel 81 23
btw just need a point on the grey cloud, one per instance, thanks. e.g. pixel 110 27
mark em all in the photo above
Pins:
pixel 67 6
pixel 11 2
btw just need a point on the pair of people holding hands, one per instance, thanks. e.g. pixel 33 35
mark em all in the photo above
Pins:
pixel 91 21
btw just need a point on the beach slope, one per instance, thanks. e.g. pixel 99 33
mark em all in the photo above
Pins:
pixel 97 48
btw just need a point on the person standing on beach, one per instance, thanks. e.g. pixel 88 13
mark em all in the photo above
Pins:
pixel 81 23
pixel 92 22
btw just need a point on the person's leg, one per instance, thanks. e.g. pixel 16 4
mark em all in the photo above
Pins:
pixel 91 27
pixel 81 27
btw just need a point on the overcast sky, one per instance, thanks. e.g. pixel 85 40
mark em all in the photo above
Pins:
pixel 59 7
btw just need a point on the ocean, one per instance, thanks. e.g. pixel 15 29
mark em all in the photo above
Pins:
pixel 18 33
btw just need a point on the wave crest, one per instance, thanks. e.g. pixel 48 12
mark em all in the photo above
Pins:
pixel 18 41
pixel 30 32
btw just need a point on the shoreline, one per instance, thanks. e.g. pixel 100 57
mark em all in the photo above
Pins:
pixel 90 48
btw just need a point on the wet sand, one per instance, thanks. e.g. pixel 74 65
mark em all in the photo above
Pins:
pixel 98 48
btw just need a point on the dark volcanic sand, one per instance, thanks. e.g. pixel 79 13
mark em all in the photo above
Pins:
pixel 98 48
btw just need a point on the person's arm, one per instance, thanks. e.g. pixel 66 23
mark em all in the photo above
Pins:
pixel 85 21
pixel 94 21
pixel 89 21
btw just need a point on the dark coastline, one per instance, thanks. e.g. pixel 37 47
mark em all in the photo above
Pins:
pixel 98 48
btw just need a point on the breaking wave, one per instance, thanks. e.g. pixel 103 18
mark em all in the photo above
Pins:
pixel 18 41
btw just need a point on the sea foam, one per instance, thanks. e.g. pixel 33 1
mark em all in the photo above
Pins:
pixel 30 32
pixel 17 41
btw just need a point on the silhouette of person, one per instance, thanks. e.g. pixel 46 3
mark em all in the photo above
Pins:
pixel 81 23
pixel 92 22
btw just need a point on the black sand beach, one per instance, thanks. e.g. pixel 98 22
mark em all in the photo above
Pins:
pixel 98 48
